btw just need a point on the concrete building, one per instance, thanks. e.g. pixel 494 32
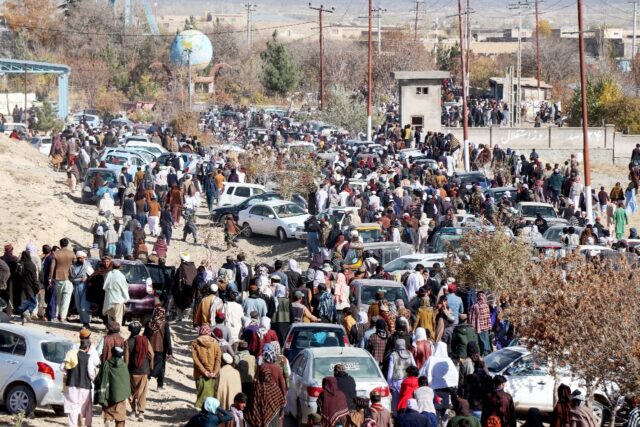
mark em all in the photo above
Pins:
pixel 529 87
pixel 420 96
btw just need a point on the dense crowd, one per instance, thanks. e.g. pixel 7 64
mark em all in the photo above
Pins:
pixel 430 350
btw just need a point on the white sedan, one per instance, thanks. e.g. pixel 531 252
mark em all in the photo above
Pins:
pixel 272 218
pixel 313 364
pixel 407 263
pixel 531 383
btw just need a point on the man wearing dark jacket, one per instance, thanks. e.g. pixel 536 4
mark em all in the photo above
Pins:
pixel 346 384
pixel 499 403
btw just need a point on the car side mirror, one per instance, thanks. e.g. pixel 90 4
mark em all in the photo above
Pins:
pixel 271 216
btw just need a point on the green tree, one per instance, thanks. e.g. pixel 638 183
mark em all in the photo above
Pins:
pixel 280 72
pixel 448 58
pixel 346 110
pixel 47 119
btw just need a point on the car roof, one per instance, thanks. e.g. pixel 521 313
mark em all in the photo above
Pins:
pixel 31 333
pixel 237 184
pixel 438 255
pixel 374 245
pixel 535 204
pixel 338 351
pixel 518 349
pixel 275 202
pixel 121 261
pixel 377 282
pixel 302 325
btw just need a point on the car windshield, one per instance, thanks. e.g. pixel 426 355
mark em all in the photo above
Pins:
pixel 401 264
pixel 288 210
pixel 54 351
pixel 472 178
pixel 499 360
pixel 368 236
pixel 544 211
pixel 447 242
pixel 357 367
pixel 108 177
pixel 391 293
pixel 135 273
pixel 553 233
pixel 115 160
pixel 317 337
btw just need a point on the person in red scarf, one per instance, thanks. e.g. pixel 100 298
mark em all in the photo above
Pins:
pixel 407 387
pixel 332 403
pixel 138 356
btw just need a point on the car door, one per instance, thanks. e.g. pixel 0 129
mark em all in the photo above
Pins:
pixel 13 350
pixel 241 194
pixel 255 218
pixel 530 384
pixel 270 222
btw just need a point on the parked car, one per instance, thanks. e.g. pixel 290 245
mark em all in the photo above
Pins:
pixel 153 148
pixel 407 263
pixel 42 144
pixel 337 214
pixel 305 335
pixel 363 292
pixel 528 211
pixel 384 252
pixel 117 160
pixel 30 374
pixel 368 232
pixel 272 218
pixel 498 192
pixel 141 291
pixel 21 128
pixel 121 122
pixel 469 179
pixel 218 214
pixel 90 120
pixel 90 191
pixel 313 364
pixel 236 192
pixel 531 384
pixel 188 162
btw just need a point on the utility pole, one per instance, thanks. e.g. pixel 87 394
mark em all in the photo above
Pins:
pixel 321 10
pixel 538 49
pixel 468 31
pixel 369 77
pixel 415 25
pixel 585 118
pixel 519 7
pixel 635 26
pixel 377 13
pixel 250 9
pixel 463 75
pixel 25 91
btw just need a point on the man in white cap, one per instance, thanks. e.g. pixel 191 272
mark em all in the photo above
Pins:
pixel 79 272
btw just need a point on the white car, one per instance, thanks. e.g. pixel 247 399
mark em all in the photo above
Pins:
pixel 407 263
pixel 90 120
pixel 313 364
pixel 272 218
pixel 238 192
pixel 528 211
pixel 151 147
pixel 21 128
pixel 530 382
pixel 42 144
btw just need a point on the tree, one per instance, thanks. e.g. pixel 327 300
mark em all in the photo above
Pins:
pixel 280 72
pixel 36 21
pixel 582 315
pixel 48 121
pixel 448 58
pixel 489 261
pixel 544 27
pixel 347 110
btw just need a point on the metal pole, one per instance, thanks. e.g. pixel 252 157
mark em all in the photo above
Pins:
pixel 635 24
pixel 25 92
pixel 369 77
pixel 585 117
pixel 379 30
pixel 537 49
pixel 463 71
pixel 190 86
pixel 415 26
pixel 248 6
pixel 468 32
pixel 320 10
pixel 519 90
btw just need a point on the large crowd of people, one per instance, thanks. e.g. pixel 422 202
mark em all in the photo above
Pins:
pixel 241 310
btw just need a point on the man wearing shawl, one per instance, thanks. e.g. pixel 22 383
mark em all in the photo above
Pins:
pixel 159 334
pixel 113 388
pixel 332 403
pixel 229 384
pixel 269 391
pixel 138 356
pixel 207 356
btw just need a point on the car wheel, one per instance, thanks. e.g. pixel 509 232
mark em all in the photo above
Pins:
pixel 601 413
pixel 282 235
pixel 246 230
pixel 20 398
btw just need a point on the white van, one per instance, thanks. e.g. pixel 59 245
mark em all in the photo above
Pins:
pixel 236 192
pixel 9 127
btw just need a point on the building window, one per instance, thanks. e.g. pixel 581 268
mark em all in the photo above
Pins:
pixel 422 90
pixel 417 121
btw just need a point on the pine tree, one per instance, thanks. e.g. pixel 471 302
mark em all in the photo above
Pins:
pixel 280 72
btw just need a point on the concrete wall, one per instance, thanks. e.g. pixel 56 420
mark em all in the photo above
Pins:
pixel 427 106
pixel 556 144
